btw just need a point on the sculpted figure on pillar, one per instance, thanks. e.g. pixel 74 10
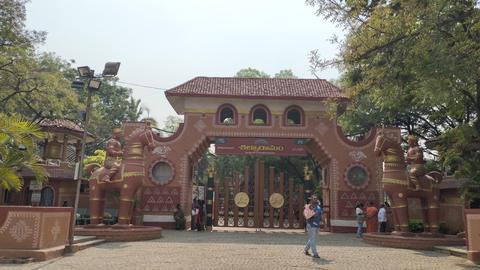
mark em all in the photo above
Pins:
pixel 113 159
pixel 415 160
pixel 397 182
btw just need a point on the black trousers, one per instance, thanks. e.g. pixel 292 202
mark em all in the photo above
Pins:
pixel 383 226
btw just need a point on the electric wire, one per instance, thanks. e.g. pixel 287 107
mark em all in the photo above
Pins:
pixel 141 85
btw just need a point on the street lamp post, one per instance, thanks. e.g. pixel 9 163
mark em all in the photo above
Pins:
pixel 93 84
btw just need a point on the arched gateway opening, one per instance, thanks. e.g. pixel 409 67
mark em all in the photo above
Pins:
pixel 295 122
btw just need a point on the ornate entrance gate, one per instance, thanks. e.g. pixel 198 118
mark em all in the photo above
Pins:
pixel 262 199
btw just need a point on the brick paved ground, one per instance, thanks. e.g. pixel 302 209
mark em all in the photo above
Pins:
pixel 247 250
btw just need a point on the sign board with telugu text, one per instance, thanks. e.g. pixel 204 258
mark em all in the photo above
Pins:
pixel 260 146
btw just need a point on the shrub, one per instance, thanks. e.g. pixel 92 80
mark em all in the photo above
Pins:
pixel 415 226
pixel 442 228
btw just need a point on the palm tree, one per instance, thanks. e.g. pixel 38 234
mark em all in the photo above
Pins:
pixel 17 151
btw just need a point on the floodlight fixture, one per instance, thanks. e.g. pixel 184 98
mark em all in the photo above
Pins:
pixel 111 69
pixel 85 71
pixel 77 84
pixel 94 84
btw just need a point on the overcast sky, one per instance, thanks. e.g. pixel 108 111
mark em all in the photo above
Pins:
pixel 163 43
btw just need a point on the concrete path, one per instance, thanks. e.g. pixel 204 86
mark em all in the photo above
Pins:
pixel 248 250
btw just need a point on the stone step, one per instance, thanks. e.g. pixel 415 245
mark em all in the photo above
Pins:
pixel 83 245
pixel 80 239
pixel 460 251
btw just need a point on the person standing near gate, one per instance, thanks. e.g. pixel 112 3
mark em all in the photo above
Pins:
pixel 313 215
pixel 371 215
pixel 382 218
pixel 360 219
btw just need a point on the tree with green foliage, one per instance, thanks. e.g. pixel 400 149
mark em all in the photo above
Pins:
pixel 411 64
pixel 285 73
pixel 113 105
pixel 37 86
pixel 17 151
pixel 251 73
pixel 255 73
pixel 31 85
pixel 171 124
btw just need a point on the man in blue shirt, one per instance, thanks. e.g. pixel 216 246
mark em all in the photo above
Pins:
pixel 313 225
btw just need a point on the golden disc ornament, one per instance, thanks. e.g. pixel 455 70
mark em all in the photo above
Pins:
pixel 276 200
pixel 241 199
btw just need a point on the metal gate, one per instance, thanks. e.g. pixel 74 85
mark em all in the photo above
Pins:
pixel 266 199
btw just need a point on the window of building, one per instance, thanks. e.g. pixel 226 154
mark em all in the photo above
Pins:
pixel 260 115
pixel 293 116
pixel 226 115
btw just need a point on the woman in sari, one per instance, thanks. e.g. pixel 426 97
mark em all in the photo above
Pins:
pixel 371 215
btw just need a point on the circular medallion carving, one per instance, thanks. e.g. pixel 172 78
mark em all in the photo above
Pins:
pixel 357 176
pixel 241 199
pixel 162 172
pixel 276 200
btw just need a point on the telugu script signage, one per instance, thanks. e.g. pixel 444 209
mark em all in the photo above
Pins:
pixel 260 146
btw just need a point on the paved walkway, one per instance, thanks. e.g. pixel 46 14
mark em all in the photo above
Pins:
pixel 247 250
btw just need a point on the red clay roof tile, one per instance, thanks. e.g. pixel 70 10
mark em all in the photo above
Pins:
pixel 257 88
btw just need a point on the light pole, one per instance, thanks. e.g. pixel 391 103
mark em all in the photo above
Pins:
pixel 93 84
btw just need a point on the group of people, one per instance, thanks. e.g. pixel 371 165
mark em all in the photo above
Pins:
pixel 373 218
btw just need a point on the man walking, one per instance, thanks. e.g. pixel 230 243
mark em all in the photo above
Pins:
pixel 313 215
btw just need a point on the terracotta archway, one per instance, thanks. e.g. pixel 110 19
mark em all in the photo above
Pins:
pixel 200 99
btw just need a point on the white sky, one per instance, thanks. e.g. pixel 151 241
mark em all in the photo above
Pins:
pixel 164 43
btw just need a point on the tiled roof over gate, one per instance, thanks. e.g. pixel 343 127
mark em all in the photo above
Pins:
pixel 257 88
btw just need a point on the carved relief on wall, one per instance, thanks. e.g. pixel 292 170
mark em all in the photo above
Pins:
pixel 357 155
pixel 55 229
pixel 357 176
pixel 322 128
pixel 160 199
pixel 161 171
pixel 20 231
pixel 161 150
pixel 200 125
pixel 349 199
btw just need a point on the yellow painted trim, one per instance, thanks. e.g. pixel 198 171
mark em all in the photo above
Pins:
pixel 138 158
pixel 133 174
pixel 96 199
pixel 394 181
pixel 123 218
pixel 126 200
pixel 399 206
pixel 200 111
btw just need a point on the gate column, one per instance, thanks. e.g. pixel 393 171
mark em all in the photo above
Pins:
pixel 209 198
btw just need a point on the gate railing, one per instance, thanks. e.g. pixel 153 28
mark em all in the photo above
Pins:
pixel 265 199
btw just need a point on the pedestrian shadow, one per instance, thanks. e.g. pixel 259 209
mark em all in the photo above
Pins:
pixel 322 261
